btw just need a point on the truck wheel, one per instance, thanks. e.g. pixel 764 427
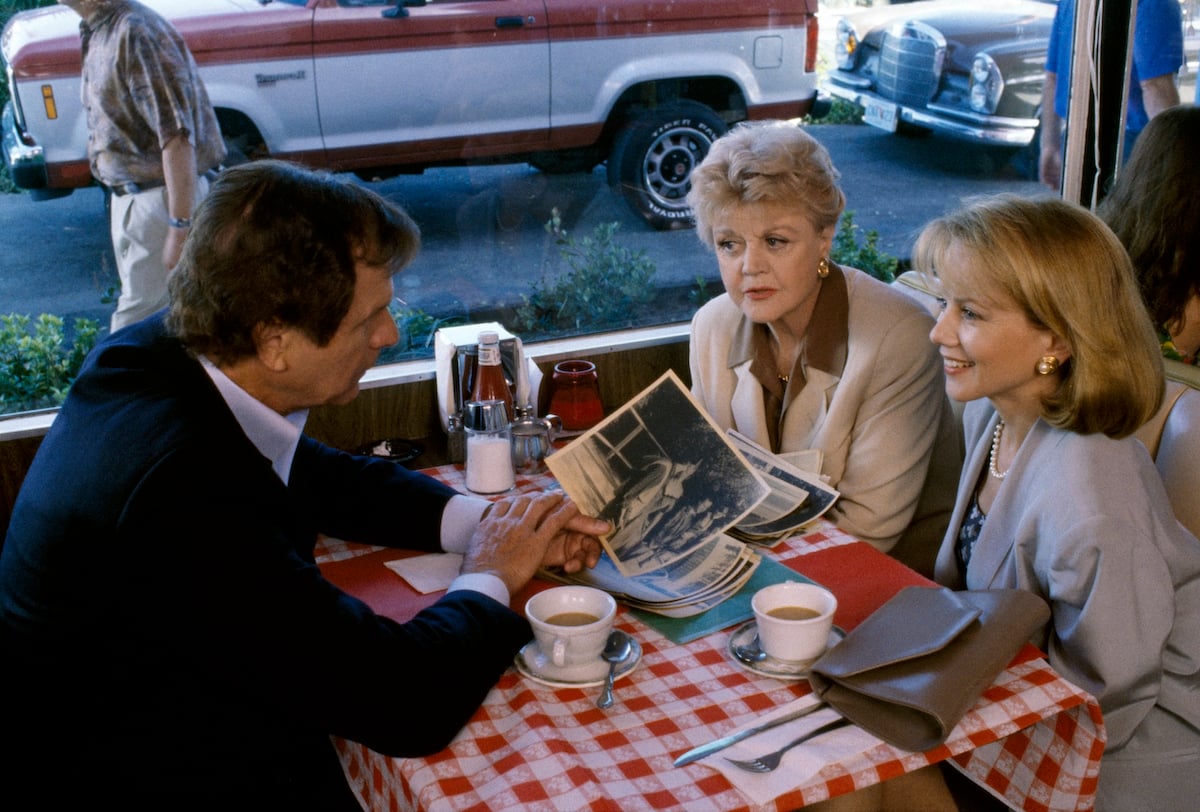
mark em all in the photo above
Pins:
pixel 653 157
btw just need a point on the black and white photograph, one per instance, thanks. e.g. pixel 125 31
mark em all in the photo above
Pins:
pixel 662 473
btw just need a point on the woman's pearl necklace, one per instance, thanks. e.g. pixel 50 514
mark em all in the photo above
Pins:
pixel 992 470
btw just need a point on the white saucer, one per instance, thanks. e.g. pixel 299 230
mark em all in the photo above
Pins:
pixel 532 664
pixel 770 667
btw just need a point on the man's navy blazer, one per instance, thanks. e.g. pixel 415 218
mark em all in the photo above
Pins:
pixel 167 636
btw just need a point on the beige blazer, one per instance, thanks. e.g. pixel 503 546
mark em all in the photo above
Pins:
pixel 881 417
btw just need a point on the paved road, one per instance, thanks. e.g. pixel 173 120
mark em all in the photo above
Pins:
pixel 483 226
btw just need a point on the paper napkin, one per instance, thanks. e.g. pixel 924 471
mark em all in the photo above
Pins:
pixel 800 764
pixel 427 573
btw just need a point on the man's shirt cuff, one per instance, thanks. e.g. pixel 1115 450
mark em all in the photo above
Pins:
pixel 459 521
pixel 482 582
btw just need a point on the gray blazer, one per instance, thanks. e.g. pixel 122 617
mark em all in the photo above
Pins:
pixel 1084 522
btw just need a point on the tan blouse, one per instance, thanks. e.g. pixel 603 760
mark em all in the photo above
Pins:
pixel 823 347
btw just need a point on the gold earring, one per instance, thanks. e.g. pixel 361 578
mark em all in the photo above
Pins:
pixel 1047 365
pixel 823 268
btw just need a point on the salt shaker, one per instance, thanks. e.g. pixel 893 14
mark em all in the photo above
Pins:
pixel 489 447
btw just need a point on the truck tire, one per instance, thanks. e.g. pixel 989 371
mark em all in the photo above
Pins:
pixel 653 157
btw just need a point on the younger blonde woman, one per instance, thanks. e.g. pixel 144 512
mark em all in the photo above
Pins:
pixel 1043 333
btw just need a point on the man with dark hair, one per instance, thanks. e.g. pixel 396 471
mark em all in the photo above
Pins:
pixel 169 642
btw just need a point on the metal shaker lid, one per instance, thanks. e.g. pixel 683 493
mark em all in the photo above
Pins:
pixel 485 415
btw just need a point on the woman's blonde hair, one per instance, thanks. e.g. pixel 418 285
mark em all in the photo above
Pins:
pixel 766 162
pixel 1070 274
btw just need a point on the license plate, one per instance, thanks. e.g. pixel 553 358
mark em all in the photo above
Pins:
pixel 880 114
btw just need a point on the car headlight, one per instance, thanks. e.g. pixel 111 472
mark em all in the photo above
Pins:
pixel 846 46
pixel 986 84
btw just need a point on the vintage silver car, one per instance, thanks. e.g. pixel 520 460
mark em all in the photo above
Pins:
pixel 970 68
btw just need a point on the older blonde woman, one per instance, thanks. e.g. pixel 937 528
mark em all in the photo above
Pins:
pixel 800 353
pixel 1043 331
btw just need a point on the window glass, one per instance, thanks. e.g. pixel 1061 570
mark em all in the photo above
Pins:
pixel 547 171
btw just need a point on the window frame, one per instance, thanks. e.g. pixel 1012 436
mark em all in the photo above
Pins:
pixel 1088 163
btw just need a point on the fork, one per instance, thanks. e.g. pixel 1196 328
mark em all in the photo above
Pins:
pixel 768 762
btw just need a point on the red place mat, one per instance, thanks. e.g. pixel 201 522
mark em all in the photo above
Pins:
pixel 367 578
pixel 876 578
pixel 838 567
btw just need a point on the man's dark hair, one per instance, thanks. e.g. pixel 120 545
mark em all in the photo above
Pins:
pixel 273 242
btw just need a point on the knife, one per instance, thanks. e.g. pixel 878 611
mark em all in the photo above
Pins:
pixel 723 742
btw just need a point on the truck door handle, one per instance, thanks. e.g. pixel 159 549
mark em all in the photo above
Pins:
pixel 511 22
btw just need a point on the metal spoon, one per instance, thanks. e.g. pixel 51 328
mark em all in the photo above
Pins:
pixel 751 652
pixel 616 651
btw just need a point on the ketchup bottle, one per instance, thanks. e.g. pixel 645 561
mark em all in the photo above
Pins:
pixel 490 383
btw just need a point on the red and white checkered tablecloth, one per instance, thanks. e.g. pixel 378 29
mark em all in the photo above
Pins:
pixel 1033 738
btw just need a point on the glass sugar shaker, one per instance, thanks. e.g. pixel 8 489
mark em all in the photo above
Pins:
pixel 489 447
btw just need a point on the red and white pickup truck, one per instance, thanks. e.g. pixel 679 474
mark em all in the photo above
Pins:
pixel 381 88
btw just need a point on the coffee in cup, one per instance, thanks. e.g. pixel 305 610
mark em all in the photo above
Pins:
pixel 794 620
pixel 571 619
pixel 570 624
pixel 794 613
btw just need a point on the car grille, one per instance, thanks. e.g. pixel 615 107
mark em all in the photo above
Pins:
pixel 910 63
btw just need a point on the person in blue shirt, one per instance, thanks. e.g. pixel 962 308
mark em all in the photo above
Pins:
pixel 1157 57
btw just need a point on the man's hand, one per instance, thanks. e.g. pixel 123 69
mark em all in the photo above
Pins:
pixel 1050 167
pixel 173 247
pixel 577 546
pixel 179 177
pixel 520 534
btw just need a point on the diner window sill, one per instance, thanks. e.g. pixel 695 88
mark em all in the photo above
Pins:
pixel 27 424
pixel 399 400
pixel 36 424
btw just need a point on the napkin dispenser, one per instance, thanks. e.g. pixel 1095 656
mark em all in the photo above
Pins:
pixel 451 345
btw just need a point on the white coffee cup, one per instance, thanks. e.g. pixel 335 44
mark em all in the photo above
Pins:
pixel 571 624
pixel 794 620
